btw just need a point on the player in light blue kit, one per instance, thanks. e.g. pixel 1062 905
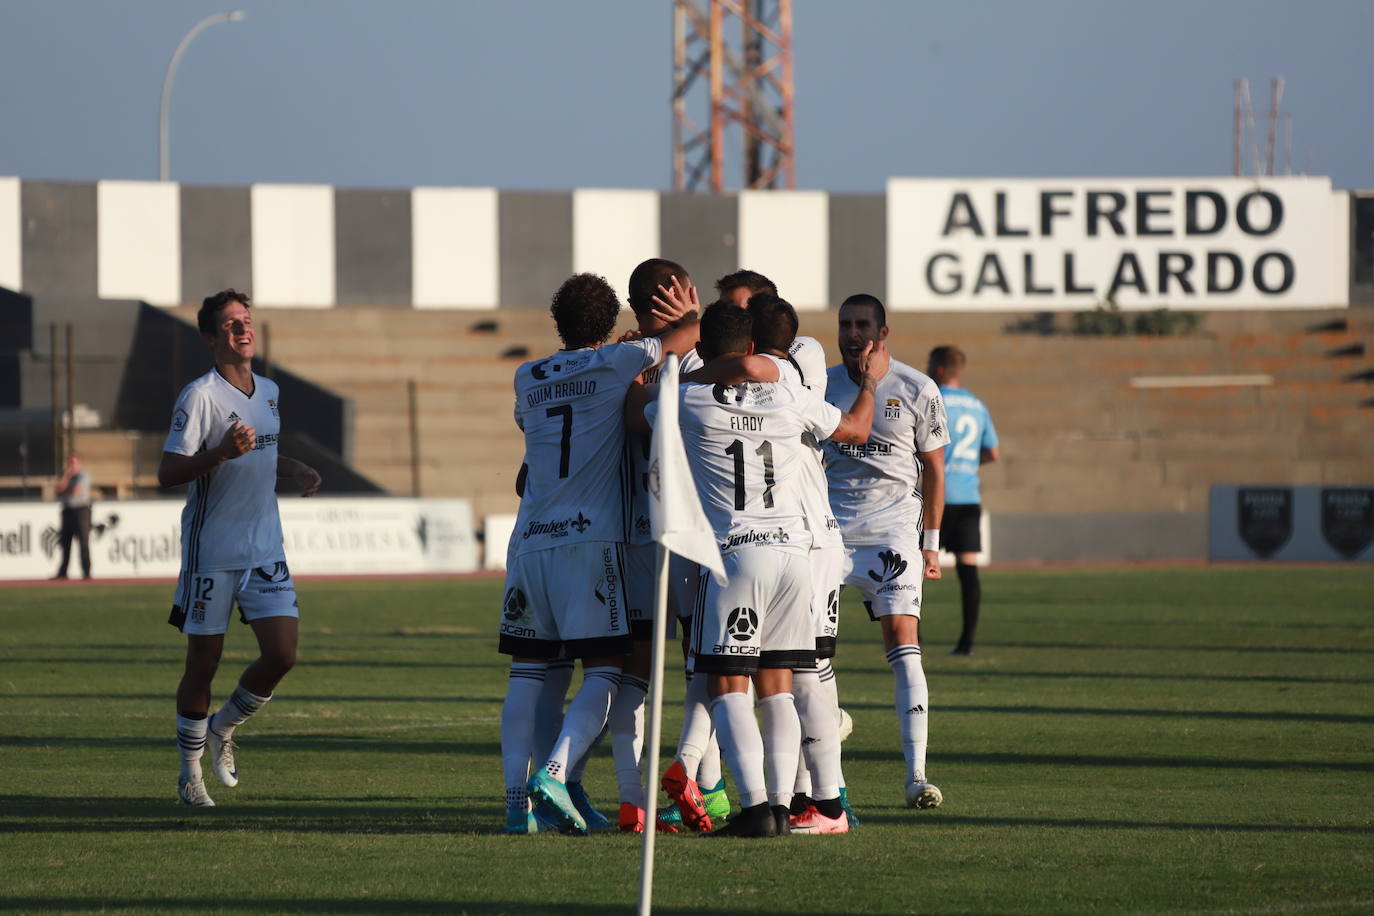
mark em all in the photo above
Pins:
pixel 973 443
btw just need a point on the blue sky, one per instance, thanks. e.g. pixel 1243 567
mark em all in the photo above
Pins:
pixel 550 94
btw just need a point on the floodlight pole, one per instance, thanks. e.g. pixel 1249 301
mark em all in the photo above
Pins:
pixel 164 156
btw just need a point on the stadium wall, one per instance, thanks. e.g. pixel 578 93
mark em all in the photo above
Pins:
pixel 318 246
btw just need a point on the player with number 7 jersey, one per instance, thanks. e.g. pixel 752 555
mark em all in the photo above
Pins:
pixel 565 590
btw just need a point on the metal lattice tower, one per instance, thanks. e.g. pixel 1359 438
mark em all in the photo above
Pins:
pixel 749 83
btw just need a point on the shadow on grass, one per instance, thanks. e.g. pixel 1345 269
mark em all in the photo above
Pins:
pixel 936 821
pixel 1086 760
pixel 988 673
pixel 1174 647
pixel 1231 714
pixel 363 905
pixel 312 743
pixel 282 698
pixel 361 662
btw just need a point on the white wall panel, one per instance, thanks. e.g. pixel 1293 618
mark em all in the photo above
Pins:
pixel 293 245
pixel 455 248
pixel 1341 244
pixel 785 235
pixel 138 241
pixel 11 239
pixel 613 231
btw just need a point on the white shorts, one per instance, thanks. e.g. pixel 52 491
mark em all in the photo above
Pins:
pixel 639 589
pixel 567 601
pixel 204 600
pixel 827 576
pixel 761 618
pixel 889 577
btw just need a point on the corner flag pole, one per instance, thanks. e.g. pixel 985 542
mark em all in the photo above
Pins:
pixel 679 526
pixel 654 731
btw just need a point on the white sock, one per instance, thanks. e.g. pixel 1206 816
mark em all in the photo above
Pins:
pixel 826 674
pixel 781 746
pixel 742 745
pixel 238 707
pixel 912 702
pixel 627 737
pixel 709 774
pixel 191 740
pixel 696 732
pixel 585 718
pixel 579 766
pixel 820 735
pixel 517 727
pixel 548 711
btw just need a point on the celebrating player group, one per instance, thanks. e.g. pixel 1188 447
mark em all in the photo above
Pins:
pixel 811 479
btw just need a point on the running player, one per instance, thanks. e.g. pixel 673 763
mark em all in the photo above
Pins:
pixel 888 495
pixel 973 443
pixel 564 590
pixel 744 445
pixel 223 442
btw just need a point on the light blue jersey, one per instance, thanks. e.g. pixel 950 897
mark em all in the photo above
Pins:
pixel 970 431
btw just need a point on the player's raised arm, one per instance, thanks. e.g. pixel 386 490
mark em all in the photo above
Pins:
pixel 857 422
pixel 679 308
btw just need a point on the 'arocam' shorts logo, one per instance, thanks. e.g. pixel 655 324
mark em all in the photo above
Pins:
pixel 742 623
pixel 893 566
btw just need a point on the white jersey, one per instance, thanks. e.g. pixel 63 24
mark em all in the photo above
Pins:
pixel 815 490
pixel 571 408
pixel 231 519
pixel 637 457
pixel 807 356
pixel 744 446
pixel 875 487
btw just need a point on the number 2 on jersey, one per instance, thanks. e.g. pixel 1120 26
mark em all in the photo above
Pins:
pixel 967 430
pixel 736 450
pixel 565 442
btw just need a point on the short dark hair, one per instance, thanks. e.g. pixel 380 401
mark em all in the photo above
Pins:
pixel 872 302
pixel 751 280
pixel 584 310
pixel 725 329
pixel 210 306
pixel 947 357
pixel 646 278
pixel 775 322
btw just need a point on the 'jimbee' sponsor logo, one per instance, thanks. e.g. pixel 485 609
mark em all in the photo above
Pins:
pixel 559 528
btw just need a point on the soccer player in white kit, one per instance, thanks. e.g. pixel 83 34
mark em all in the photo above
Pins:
pixel 564 590
pixel 744 443
pixel 223 442
pixel 888 496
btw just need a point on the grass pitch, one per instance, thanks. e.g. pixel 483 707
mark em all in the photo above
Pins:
pixel 1162 741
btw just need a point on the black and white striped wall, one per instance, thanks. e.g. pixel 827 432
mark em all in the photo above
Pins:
pixel 474 248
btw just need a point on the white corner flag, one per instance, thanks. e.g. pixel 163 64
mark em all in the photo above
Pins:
pixel 675 515
pixel 679 526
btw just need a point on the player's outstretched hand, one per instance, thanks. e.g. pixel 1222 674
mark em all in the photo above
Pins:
pixel 675 303
pixel 932 564
pixel 875 359
pixel 307 478
pixel 238 440
pixel 631 334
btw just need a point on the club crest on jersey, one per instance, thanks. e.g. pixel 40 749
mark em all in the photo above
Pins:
pixel 892 410
pixel 893 566
pixel 272 405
